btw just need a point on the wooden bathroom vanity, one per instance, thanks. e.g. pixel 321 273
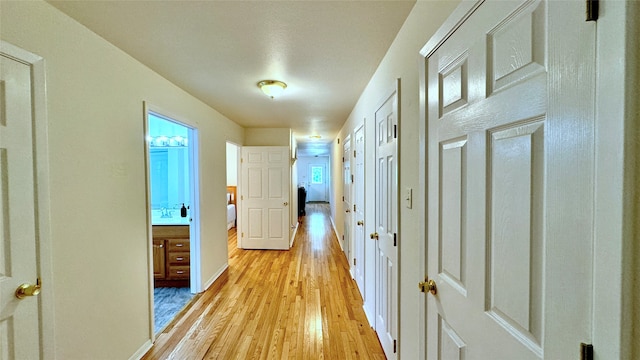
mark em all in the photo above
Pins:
pixel 171 256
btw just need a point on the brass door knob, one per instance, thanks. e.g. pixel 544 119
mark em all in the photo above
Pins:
pixel 347 211
pixel 360 222
pixel 25 290
pixel 374 236
pixel 285 203
pixel 428 285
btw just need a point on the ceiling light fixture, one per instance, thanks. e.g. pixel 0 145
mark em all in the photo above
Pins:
pixel 272 88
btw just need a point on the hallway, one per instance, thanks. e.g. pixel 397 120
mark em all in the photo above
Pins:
pixel 296 304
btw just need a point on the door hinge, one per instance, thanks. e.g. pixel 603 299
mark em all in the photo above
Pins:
pixel 342 237
pixel 241 160
pixel 592 10
pixel 394 346
pixel 395 239
pixel 354 153
pixel 343 198
pixel 395 131
pixel 241 197
pixel 586 351
pixel 242 234
pixel 354 207
pixel 354 261
pixel 343 159
pixel 352 178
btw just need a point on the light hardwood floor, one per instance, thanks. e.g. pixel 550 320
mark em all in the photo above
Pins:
pixel 296 304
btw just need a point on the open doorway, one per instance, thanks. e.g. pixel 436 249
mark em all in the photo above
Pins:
pixel 233 159
pixel 172 207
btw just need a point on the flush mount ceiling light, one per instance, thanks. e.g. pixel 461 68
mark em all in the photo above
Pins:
pixel 272 88
pixel 315 137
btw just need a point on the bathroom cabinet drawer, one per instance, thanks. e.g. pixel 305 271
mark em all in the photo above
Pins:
pixel 178 272
pixel 179 258
pixel 178 245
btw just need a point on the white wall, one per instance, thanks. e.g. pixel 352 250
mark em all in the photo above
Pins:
pixel 268 137
pixel 232 164
pixel 99 232
pixel 401 61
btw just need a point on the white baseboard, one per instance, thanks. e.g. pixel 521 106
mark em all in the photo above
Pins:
pixel 143 350
pixel 368 315
pixel 215 276
pixel 293 236
pixel 335 231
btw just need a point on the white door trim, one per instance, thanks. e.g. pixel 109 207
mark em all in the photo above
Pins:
pixel 194 208
pixel 616 234
pixel 41 158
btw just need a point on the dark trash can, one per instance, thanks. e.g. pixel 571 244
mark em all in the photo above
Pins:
pixel 302 199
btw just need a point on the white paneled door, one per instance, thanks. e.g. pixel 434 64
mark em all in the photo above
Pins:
pixel 266 181
pixel 20 321
pixel 358 201
pixel 385 235
pixel 510 186
pixel 348 200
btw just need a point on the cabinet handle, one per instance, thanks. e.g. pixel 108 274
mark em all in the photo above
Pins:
pixel 179 272
pixel 180 245
pixel 179 258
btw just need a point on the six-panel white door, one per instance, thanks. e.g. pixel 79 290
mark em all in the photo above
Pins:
pixel 358 201
pixel 347 203
pixel 510 181
pixel 19 318
pixel 266 181
pixel 386 308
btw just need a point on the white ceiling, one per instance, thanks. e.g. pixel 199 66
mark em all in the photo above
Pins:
pixel 326 52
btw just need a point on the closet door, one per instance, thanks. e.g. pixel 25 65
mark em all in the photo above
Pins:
pixel 510 183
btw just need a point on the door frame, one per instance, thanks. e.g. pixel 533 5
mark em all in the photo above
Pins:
pixel 615 234
pixel 42 187
pixel 194 207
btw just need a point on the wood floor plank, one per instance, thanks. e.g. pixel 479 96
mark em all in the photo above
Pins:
pixel 296 304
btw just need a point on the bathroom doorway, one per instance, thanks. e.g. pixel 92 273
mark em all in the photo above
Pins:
pixel 172 205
